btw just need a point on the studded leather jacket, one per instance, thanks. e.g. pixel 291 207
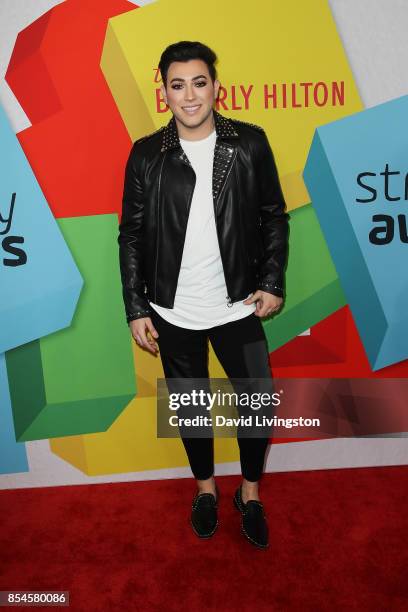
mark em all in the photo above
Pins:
pixel 249 209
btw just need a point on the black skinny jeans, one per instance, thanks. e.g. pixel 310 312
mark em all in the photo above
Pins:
pixel 241 349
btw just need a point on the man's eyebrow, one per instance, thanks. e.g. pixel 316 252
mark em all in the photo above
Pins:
pixel 200 76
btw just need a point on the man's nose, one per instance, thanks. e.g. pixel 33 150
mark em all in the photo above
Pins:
pixel 189 92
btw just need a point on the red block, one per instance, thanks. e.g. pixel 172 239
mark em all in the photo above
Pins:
pixel 333 350
pixel 77 144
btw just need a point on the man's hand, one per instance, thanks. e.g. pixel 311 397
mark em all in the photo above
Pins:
pixel 140 329
pixel 266 303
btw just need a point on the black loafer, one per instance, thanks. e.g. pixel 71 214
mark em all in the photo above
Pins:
pixel 253 523
pixel 204 514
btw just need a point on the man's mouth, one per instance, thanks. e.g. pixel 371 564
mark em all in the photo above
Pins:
pixel 190 110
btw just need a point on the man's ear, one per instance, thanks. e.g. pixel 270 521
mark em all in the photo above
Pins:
pixel 163 91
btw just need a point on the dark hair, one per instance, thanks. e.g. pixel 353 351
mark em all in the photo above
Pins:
pixel 186 50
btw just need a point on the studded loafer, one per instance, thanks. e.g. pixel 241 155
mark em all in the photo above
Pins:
pixel 253 522
pixel 204 514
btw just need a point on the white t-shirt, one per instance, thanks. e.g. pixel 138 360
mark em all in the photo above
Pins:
pixel 201 295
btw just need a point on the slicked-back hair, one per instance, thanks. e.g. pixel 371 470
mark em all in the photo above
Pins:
pixel 186 50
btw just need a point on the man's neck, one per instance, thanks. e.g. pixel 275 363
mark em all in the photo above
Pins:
pixel 196 133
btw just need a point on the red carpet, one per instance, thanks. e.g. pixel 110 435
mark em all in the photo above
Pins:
pixel 338 542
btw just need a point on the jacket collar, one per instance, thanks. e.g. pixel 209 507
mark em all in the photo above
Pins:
pixel 224 128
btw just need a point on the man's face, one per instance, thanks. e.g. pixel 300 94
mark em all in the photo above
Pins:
pixel 190 92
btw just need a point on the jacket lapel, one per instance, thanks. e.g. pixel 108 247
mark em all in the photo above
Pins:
pixel 224 151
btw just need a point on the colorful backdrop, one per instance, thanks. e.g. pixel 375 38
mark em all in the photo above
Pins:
pixel 77 394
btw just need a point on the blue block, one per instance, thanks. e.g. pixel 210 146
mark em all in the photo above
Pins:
pixel 373 276
pixel 40 282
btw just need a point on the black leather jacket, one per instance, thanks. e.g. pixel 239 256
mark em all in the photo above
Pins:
pixel 249 208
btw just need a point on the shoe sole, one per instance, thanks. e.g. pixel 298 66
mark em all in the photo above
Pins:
pixel 244 533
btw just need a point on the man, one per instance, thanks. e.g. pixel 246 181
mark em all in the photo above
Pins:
pixel 202 244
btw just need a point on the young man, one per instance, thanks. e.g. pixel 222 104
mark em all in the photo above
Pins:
pixel 202 245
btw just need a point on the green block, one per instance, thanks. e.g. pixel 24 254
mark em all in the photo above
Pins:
pixel 79 379
pixel 313 290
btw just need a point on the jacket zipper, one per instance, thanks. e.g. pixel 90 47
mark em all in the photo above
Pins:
pixel 228 298
pixel 158 225
pixel 189 204
pixel 188 212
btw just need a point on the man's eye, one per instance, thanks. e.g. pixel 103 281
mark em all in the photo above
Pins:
pixel 198 84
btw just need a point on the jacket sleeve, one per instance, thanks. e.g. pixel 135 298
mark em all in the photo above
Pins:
pixel 274 224
pixel 130 242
